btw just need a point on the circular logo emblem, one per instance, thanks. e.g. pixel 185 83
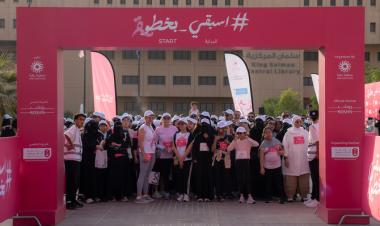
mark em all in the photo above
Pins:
pixel 344 66
pixel 37 66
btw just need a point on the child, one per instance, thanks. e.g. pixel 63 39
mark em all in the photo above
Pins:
pixel 242 144
pixel 270 164
pixel 182 149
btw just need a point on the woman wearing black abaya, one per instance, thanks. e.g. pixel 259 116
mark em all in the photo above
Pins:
pixel 258 180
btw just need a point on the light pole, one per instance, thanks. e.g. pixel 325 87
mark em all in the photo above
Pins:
pixel 82 54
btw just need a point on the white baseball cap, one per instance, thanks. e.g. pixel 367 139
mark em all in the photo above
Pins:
pixel 241 130
pixel 189 119
pixel 206 114
pixel 148 113
pixel 6 116
pixel 229 112
pixel 287 120
pixel 175 118
pixel 166 114
pixel 205 120
pixel 244 121
pixel 182 120
pixel 104 122
pixel 221 124
pixel 126 115
pixel 99 114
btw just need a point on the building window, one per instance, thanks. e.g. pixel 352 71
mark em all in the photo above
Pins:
pixel 226 82
pixel 129 54
pixel 14 23
pixel 181 80
pixel 175 2
pixel 373 2
pixel 378 56
pixel 310 56
pixel 332 2
pixel 135 2
pixel 359 2
pixel 306 2
pixel 156 80
pixel 149 2
pixel 372 27
pixel 207 80
pixel 367 56
pixel 109 2
pixel 188 2
pixel 227 2
pixel 156 55
pixel 180 108
pixel 207 55
pixel 209 107
pixel 130 80
pixel 123 2
pixel 228 106
pixel 201 2
pixel 16 1
pixel 214 2
pixel 307 81
pixel 319 2
pixel 182 55
pixel 96 2
pixel 2 23
pixel 109 54
pixel 346 2
pixel 240 2
pixel 158 107
pixel 162 2
pixel 131 107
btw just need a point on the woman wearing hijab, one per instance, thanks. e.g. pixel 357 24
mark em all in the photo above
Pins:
pixel 6 129
pixel 296 166
pixel 91 140
pixel 257 180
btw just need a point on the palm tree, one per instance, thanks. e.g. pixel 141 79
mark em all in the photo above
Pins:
pixel 7 85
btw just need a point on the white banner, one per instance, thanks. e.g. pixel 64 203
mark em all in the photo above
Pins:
pixel 240 84
pixel 315 79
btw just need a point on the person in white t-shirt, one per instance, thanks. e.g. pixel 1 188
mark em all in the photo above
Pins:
pixel 73 156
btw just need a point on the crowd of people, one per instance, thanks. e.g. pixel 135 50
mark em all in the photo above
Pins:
pixel 198 157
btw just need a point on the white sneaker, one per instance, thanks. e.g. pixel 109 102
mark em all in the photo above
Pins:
pixel 241 200
pixel 180 198
pixel 141 200
pixel 89 201
pixel 307 201
pixel 312 204
pixel 250 200
pixel 124 199
pixel 186 198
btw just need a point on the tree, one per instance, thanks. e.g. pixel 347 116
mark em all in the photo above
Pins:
pixel 314 103
pixel 270 106
pixel 289 101
pixel 8 102
pixel 372 74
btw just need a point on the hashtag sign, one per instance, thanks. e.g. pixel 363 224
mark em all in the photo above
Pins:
pixel 240 22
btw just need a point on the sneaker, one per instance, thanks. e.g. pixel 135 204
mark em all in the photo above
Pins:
pixel 290 200
pixel 307 201
pixel 180 198
pixel 312 204
pixel 78 204
pixel 140 200
pixel 186 198
pixel 97 200
pixel 157 195
pixel 241 200
pixel 124 199
pixel 89 201
pixel 148 198
pixel 207 200
pixel 250 200
pixel 200 200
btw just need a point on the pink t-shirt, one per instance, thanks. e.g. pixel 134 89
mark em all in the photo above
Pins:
pixel 242 147
pixel 164 137
pixel 272 159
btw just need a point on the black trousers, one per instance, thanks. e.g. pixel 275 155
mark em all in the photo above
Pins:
pixel 243 176
pixel 274 180
pixel 257 180
pixel 314 171
pixel 130 177
pixel 204 175
pixel 116 185
pixel 218 177
pixel 72 170
pixel 165 167
pixel 182 177
pixel 101 183
pixel 89 176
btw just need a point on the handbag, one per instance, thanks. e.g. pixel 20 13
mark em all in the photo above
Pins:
pixel 154 178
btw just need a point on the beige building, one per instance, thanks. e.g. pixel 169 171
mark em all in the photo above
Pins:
pixel 169 80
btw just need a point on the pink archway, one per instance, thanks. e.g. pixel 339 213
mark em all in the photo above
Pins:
pixel 42 34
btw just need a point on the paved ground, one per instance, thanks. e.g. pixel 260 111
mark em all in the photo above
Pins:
pixel 172 213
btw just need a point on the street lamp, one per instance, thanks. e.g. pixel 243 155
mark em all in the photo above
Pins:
pixel 82 54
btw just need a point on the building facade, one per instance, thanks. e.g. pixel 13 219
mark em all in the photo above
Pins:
pixel 167 80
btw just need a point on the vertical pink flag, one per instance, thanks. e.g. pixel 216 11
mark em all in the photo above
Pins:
pixel 372 99
pixel 103 81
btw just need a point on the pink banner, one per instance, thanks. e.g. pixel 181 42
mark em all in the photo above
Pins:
pixel 371 176
pixel 9 177
pixel 103 81
pixel 372 99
